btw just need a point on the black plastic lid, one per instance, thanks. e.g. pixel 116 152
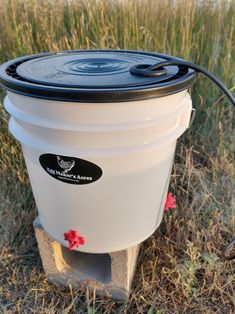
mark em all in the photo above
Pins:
pixel 94 76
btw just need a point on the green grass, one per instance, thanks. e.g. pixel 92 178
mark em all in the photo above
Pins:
pixel 179 268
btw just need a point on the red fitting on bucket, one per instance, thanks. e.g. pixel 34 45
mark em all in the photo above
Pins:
pixel 170 202
pixel 74 239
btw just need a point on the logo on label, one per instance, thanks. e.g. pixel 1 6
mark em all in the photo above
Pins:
pixel 70 169
pixel 66 165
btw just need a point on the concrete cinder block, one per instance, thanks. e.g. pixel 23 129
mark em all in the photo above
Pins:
pixel 109 274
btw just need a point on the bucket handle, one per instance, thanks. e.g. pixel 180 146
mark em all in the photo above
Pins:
pixel 193 116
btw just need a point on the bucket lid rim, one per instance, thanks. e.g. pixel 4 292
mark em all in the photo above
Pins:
pixel 173 85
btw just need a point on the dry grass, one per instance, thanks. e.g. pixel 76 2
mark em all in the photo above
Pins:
pixel 179 269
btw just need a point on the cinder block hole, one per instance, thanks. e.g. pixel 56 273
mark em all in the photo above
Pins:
pixel 88 266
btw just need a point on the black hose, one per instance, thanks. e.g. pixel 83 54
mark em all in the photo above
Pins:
pixel 158 68
pixel 197 68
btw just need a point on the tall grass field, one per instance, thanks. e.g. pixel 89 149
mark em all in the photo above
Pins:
pixel 179 267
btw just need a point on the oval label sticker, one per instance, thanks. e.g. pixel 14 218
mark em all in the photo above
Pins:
pixel 70 169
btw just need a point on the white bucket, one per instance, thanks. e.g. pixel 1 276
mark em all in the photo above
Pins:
pixel 130 146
